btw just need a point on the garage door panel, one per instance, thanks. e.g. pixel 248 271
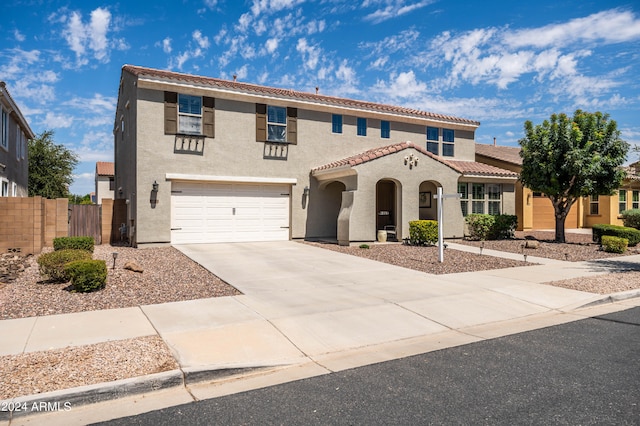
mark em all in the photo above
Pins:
pixel 208 212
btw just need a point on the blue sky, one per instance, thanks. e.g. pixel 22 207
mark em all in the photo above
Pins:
pixel 498 62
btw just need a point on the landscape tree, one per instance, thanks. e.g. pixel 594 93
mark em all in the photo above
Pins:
pixel 80 199
pixel 50 167
pixel 568 158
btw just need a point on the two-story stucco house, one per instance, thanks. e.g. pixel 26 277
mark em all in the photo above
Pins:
pixel 201 159
pixel 14 159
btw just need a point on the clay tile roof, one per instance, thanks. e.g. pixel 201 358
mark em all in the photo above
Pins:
pixel 480 169
pixel 633 171
pixel 291 94
pixel 379 152
pixel 507 154
pixel 105 168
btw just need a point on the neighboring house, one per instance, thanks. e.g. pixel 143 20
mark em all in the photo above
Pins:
pixel 200 159
pixel 14 160
pixel 535 211
pixel 105 181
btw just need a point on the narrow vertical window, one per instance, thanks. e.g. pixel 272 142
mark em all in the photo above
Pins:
pixel 4 124
pixel 463 190
pixel 362 126
pixel 622 200
pixel 447 142
pixel 594 204
pixel 336 123
pixel 635 200
pixel 477 194
pixel 4 192
pixel 432 140
pixel 494 192
pixel 385 129
pixel 190 114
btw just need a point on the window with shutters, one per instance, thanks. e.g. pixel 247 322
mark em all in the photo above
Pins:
pixel 276 124
pixel 188 115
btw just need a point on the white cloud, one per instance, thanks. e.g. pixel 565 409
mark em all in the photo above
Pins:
pixel 271 6
pixel 242 73
pixel 271 45
pixel 310 54
pixel 201 45
pixel 90 37
pixel 166 45
pixel 403 85
pixel 202 41
pixel 609 26
pixel 390 9
pixel 52 120
pixel 18 36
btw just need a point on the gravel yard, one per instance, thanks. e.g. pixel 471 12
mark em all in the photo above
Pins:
pixel 170 276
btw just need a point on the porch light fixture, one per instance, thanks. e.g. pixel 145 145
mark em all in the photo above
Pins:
pixel 306 191
pixel 155 186
pixel 115 256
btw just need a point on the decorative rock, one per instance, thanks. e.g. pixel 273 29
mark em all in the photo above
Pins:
pixel 12 265
pixel 133 266
pixel 532 244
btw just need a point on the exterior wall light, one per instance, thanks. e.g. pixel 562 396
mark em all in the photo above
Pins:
pixel 155 186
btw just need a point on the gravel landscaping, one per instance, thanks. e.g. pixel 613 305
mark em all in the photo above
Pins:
pixel 170 276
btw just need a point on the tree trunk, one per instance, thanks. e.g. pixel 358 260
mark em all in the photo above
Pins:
pixel 561 208
pixel 560 219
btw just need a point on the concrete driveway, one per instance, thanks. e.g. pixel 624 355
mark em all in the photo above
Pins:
pixel 302 303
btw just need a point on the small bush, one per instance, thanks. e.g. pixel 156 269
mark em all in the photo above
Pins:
pixel 631 234
pixel 52 264
pixel 87 275
pixel 364 246
pixel 631 218
pixel 77 243
pixel 423 232
pixel 491 227
pixel 613 244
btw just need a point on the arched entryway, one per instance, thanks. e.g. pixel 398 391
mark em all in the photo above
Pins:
pixel 387 204
pixel 427 204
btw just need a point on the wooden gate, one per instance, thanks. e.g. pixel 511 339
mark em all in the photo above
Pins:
pixel 84 221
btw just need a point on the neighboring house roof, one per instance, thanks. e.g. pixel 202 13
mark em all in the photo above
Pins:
pixel 507 154
pixel 4 93
pixel 105 168
pixel 466 168
pixel 633 171
pixel 291 94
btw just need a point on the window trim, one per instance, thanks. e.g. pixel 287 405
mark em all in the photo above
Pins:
pixel 464 198
pixel 594 201
pixel 4 187
pixel 433 144
pixel 622 200
pixel 190 114
pixel 276 123
pixel 14 189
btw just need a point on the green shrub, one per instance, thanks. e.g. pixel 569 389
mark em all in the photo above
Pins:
pixel 491 227
pixel 423 232
pixel 364 246
pixel 631 234
pixel 631 218
pixel 613 244
pixel 87 275
pixel 77 243
pixel 52 264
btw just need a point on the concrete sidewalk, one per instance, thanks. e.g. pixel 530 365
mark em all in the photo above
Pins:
pixel 307 311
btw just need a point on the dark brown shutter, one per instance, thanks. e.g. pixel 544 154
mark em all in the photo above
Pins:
pixel 170 113
pixel 209 117
pixel 261 122
pixel 292 125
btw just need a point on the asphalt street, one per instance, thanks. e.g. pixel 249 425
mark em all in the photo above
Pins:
pixel 584 372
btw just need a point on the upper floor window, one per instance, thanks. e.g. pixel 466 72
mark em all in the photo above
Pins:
pixel 447 142
pixel 385 129
pixel 189 114
pixel 276 124
pixel 336 123
pixel 432 140
pixel 362 126
pixel 4 124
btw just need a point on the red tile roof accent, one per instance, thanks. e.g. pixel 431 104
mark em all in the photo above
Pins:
pixel 462 167
pixel 291 94
pixel 481 169
pixel 105 168
pixel 507 154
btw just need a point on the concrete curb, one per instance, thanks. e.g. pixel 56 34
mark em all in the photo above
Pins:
pixel 66 399
pixel 193 375
pixel 612 298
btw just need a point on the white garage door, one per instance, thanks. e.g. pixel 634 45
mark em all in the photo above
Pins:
pixel 204 212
